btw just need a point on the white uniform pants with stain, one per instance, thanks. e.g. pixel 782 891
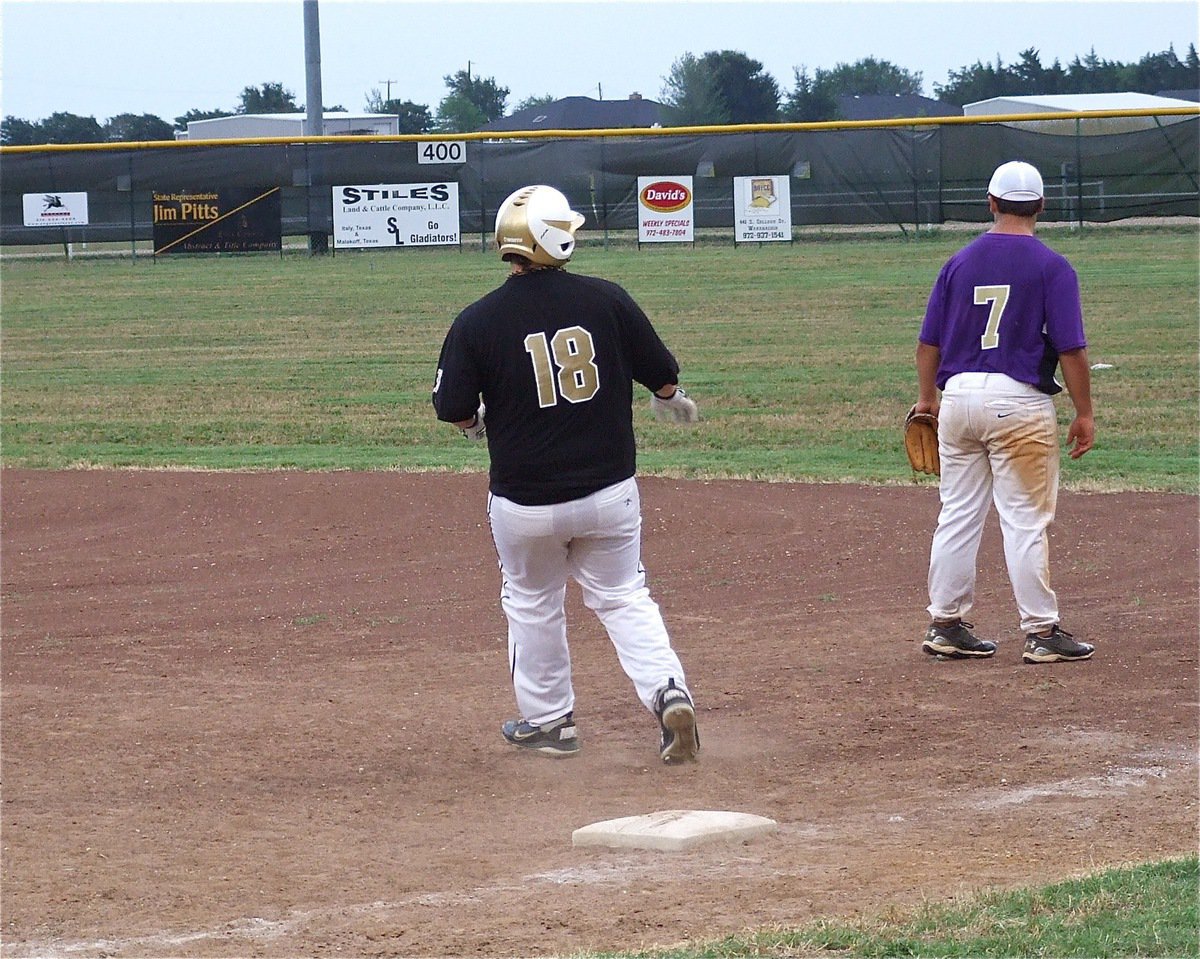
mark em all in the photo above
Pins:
pixel 595 540
pixel 998 442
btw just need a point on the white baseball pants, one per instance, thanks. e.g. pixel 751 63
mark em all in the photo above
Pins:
pixel 998 442
pixel 595 540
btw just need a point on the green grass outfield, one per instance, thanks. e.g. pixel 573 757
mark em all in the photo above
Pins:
pixel 801 356
pixel 1117 914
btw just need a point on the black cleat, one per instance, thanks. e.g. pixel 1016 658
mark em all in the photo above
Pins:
pixel 555 738
pixel 1059 647
pixel 677 720
pixel 956 641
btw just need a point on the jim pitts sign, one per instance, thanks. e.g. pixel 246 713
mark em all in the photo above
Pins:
pixel 395 214
pixel 217 221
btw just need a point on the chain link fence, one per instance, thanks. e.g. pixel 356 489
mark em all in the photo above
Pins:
pixel 900 173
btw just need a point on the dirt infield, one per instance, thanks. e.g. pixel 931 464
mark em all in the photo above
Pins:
pixel 258 714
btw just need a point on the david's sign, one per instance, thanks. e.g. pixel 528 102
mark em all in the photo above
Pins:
pixel 665 209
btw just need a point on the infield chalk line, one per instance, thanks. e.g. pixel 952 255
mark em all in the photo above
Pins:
pixel 1116 780
pixel 1119 779
pixel 251 928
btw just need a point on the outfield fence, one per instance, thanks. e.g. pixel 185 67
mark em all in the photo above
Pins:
pixel 917 171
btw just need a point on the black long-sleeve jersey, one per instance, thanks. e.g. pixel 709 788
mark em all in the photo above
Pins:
pixel 554 356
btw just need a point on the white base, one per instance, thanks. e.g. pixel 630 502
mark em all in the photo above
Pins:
pixel 672 829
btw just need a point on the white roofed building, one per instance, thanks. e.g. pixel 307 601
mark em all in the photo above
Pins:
pixel 289 125
pixel 1077 102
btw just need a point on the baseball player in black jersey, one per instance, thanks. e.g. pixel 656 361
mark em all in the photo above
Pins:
pixel 543 368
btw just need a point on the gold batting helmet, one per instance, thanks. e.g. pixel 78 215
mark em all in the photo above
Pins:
pixel 537 222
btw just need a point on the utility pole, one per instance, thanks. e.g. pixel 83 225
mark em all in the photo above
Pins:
pixel 389 88
pixel 312 69
pixel 318 239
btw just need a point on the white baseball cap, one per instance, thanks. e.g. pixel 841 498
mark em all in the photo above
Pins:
pixel 1016 180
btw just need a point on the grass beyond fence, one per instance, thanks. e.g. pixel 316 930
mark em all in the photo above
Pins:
pixel 801 356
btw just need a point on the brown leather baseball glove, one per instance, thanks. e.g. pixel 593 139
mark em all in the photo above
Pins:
pixel 921 442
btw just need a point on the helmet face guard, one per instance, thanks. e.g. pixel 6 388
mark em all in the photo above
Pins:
pixel 537 222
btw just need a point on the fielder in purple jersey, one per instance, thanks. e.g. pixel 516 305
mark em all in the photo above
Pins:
pixel 1003 315
pixel 1045 287
pixel 543 367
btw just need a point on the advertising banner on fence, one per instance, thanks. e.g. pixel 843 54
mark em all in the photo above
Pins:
pixel 55 209
pixel 395 214
pixel 665 209
pixel 217 221
pixel 762 208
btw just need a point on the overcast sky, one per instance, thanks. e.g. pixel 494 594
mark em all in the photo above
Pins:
pixel 165 58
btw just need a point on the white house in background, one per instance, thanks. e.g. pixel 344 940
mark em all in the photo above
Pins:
pixel 1075 102
pixel 289 125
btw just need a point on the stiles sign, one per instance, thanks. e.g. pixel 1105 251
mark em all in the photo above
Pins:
pixel 395 214
pixel 217 221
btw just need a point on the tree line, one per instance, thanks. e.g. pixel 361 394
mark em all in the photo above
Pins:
pixel 715 88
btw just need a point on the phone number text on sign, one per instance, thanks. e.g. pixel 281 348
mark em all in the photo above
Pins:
pixel 395 214
pixel 673 229
pixel 777 233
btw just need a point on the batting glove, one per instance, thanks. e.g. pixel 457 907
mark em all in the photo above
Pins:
pixel 680 408
pixel 477 430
